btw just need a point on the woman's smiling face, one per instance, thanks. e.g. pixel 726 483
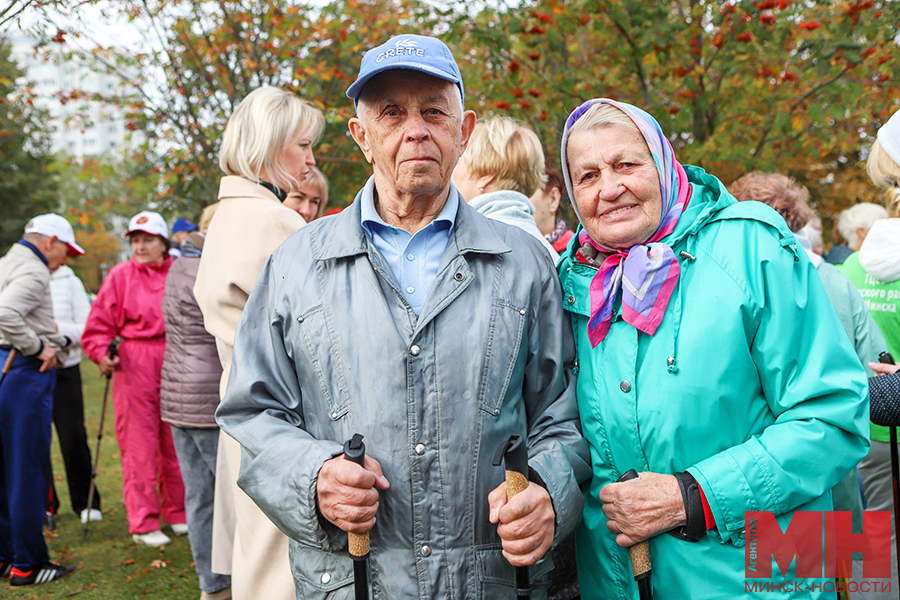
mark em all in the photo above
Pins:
pixel 616 185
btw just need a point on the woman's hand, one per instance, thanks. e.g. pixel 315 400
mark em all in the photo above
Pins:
pixel 108 365
pixel 642 508
pixel 883 368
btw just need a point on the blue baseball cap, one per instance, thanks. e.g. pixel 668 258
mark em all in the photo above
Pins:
pixel 427 55
pixel 183 225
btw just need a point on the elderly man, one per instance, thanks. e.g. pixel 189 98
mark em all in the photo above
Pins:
pixel 432 331
pixel 26 395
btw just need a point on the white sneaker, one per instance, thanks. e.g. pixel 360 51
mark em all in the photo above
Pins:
pixel 91 514
pixel 180 528
pixel 154 538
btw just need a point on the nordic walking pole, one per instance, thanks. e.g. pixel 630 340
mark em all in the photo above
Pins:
pixel 8 364
pixel 355 450
pixel 515 454
pixel 640 553
pixel 113 351
pixel 886 358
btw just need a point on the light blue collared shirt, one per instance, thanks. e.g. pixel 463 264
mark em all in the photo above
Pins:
pixel 414 259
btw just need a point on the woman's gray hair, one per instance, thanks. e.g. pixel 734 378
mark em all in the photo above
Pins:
pixel 601 115
pixel 860 216
pixel 264 124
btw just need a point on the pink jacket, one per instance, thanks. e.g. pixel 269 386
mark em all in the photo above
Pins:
pixel 129 306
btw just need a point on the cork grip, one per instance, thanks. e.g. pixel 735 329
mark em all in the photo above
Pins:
pixel 640 558
pixel 515 483
pixel 358 543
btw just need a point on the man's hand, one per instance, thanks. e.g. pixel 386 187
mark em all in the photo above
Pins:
pixel 108 365
pixel 641 508
pixel 527 523
pixel 348 494
pixel 47 358
pixel 883 368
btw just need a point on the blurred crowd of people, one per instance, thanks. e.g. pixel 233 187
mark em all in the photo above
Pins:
pixel 658 249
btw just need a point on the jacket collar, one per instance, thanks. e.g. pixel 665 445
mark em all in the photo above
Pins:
pixel 346 237
pixel 232 186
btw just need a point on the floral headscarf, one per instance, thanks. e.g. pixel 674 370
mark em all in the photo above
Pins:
pixel 645 274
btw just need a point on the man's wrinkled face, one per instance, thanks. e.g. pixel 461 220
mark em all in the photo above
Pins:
pixel 413 131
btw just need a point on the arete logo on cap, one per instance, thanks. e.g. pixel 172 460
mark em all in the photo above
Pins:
pixel 403 47
pixel 141 221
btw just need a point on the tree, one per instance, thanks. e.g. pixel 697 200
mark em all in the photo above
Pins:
pixel 777 85
pixel 27 188
pixel 209 55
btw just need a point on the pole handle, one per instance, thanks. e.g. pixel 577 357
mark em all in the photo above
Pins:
pixel 640 552
pixel 355 451
pixel 9 360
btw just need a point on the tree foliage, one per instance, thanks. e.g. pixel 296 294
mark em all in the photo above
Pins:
pixel 774 85
pixel 780 85
pixel 27 188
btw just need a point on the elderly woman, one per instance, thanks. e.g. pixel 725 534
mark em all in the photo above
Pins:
pixel 502 166
pixel 129 306
pixel 266 154
pixel 690 312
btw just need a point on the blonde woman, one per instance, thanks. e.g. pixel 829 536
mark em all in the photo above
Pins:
pixel 266 153
pixel 501 168
pixel 310 200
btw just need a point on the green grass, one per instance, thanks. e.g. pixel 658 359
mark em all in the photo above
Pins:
pixel 110 565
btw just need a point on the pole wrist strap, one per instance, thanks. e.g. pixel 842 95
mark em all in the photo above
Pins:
pixel 695 528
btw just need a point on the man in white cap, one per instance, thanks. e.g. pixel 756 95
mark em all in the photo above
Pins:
pixel 434 332
pixel 26 395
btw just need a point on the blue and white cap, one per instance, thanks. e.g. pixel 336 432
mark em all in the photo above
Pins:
pixel 413 52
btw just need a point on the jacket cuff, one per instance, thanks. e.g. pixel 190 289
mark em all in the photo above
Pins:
pixel 39 350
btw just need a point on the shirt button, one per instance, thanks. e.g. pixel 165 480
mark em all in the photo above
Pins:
pixel 414 350
pixel 425 551
pixel 625 386
pixel 410 256
pixel 570 300
pixel 326 577
pixel 458 276
pixel 420 449
pixel 410 290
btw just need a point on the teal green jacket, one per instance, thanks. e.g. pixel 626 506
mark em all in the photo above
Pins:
pixel 750 384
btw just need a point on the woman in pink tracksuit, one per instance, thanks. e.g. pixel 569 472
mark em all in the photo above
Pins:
pixel 129 306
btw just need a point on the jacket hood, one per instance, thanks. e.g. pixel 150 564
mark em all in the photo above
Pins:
pixel 879 254
pixel 504 202
pixel 512 208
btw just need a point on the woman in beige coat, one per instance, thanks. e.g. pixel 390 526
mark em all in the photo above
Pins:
pixel 266 153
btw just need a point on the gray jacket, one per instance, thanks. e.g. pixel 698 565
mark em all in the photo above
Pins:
pixel 189 383
pixel 328 347
pixel 26 310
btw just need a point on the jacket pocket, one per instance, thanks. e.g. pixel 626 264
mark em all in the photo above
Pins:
pixel 316 338
pixel 501 355
pixel 497 578
pixel 320 575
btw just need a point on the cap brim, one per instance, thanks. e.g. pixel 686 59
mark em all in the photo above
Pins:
pixel 139 230
pixel 356 88
pixel 74 249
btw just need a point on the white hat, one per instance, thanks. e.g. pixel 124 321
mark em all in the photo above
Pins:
pixel 55 226
pixel 148 222
pixel 889 137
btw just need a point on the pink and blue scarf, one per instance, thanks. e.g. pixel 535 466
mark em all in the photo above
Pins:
pixel 646 274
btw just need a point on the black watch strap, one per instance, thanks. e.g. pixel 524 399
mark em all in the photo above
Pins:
pixel 695 528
